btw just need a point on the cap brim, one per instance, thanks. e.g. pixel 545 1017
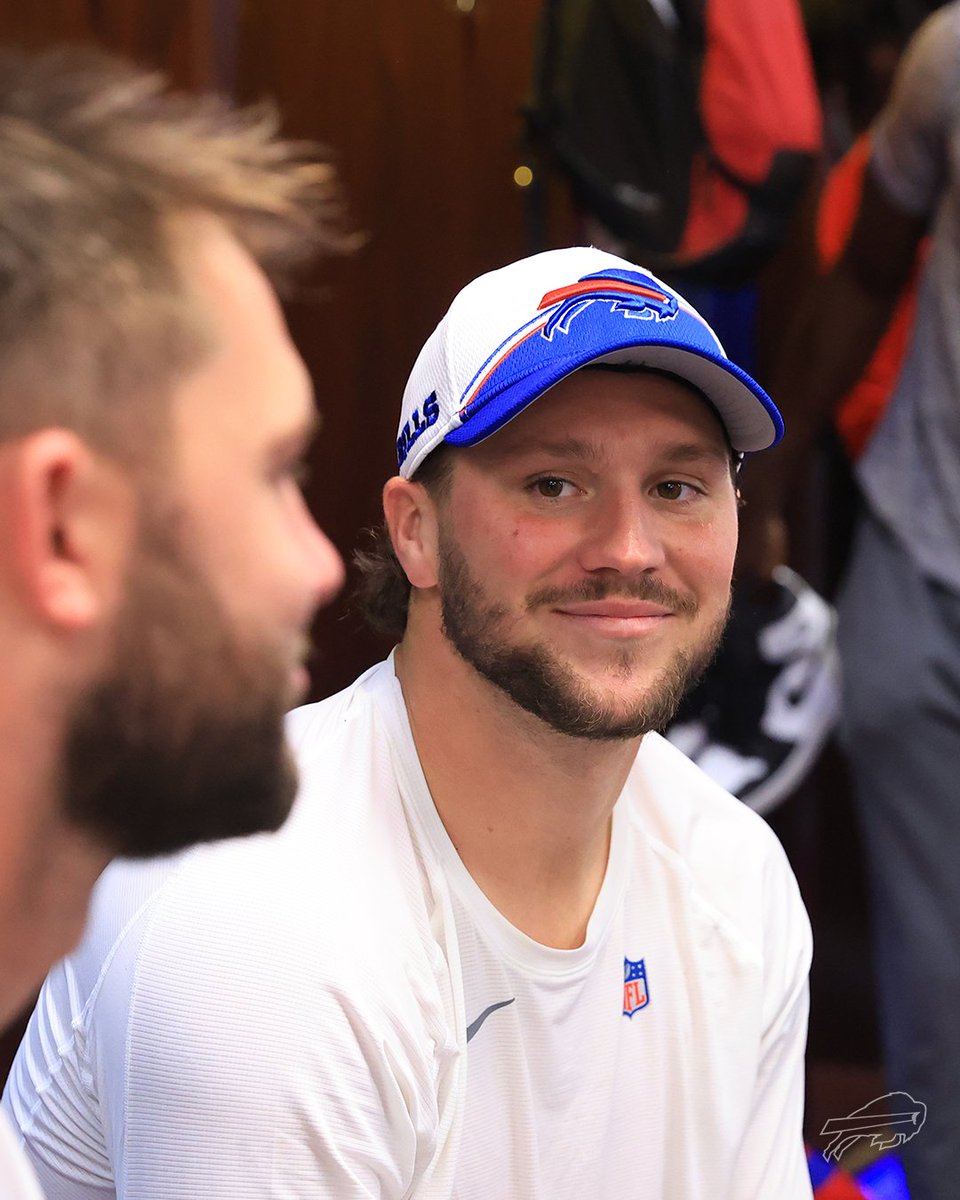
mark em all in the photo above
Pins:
pixel 750 417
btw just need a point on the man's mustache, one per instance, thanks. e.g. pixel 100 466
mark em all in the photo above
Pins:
pixel 639 587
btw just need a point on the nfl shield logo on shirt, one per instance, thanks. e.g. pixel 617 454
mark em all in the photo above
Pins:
pixel 636 994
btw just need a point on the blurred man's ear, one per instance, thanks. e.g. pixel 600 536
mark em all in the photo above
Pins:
pixel 411 515
pixel 72 518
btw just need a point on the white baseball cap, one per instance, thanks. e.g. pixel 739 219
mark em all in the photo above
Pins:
pixel 512 334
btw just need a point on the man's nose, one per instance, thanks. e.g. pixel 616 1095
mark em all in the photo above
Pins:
pixel 622 534
pixel 327 569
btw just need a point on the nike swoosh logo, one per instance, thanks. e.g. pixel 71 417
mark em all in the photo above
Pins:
pixel 474 1027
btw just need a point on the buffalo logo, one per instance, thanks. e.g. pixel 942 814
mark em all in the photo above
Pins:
pixel 888 1121
pixel 636 993
pixel 626 292
pixel 604 295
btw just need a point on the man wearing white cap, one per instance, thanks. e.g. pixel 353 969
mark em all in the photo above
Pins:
pixel 510 942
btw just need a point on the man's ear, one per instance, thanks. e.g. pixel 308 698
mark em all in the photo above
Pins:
pixel 411 516
pixel 72 521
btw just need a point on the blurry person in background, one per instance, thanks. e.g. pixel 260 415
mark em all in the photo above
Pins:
pixel 158 567
pixel 899 631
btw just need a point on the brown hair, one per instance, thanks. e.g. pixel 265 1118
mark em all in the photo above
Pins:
pixel 383 592
pixel 99 159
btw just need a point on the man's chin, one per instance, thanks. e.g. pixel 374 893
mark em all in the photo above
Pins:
pixel 579 703
pixel 157 784
pixel 250 807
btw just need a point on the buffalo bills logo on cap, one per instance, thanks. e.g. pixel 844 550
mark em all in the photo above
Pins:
pixel 636 994
pixel 512 334
pixel 579 312
pixel 628 292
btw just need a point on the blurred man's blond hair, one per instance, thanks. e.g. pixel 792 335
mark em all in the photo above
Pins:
pixel 100 163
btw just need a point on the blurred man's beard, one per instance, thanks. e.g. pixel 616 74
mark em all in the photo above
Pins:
pixel 181 740
pixel 541 682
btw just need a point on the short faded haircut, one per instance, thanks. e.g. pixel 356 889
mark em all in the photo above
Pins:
pixel 99 160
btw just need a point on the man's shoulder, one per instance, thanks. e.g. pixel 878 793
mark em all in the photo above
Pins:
pixel 930 57
pixel 678 797
pixel 728 859
pixel 337 723
pixel 939 35
pixel 16 1179
pixel 922 108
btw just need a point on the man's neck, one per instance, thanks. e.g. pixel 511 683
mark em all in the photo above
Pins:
pixel 47 866
pixel 528 809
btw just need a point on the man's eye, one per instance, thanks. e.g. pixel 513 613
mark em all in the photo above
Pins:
pixel 675 489
pixel 553 488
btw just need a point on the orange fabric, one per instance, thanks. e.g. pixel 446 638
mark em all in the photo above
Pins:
pixel 717 212
pixel 860 410
pixel 757 61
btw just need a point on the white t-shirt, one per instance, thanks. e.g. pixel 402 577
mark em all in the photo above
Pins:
pixel 338 1011
pixel 17 1181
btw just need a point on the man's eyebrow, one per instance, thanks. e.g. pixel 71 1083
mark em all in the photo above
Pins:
pixel 569 447
pixel 680 453
pixel 694 452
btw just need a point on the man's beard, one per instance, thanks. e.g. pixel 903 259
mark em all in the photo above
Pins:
pixel 181 739
pixel 540 682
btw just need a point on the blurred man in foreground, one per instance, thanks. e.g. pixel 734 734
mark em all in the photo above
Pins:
pixel 158 568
